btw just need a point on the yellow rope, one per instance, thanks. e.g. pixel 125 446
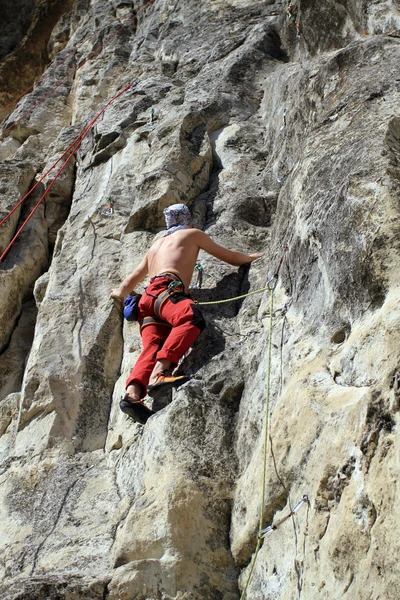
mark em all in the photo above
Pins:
pixel 266 428
pixel 235 298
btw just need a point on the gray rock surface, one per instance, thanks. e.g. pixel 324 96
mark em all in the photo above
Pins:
pixel 25 30
pixel 274 130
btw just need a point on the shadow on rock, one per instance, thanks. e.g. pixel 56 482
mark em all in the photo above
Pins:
pixel 230 286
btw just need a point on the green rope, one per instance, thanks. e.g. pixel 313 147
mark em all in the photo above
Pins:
pixel 235 298
pixel 266 428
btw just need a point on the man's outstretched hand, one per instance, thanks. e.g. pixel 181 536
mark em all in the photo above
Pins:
pixel 256 256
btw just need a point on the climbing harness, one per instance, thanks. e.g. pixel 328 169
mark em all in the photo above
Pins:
pixel 72 149
pixel 152 321
pixel 174 287
pixel 199 270
pixel 132 302
pixel 92 55
pixel 271 528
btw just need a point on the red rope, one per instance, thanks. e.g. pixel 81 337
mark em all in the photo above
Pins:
pixel 74 147
pixel 36 184
pixel 52 90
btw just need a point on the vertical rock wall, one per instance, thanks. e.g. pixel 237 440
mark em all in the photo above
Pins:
pixel 277 124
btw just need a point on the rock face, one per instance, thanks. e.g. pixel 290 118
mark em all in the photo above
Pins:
pixel 25 30
pixel 277 124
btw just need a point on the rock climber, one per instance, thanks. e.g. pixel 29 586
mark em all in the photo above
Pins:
pixel 170 320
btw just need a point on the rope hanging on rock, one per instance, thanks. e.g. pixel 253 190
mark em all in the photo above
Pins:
pixel 12 211
pixel 92 55
pixel 72 149
pixel 272 283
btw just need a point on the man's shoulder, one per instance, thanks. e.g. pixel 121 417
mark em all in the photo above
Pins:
pixel 190 233
pixel 196 237
pixel 195 232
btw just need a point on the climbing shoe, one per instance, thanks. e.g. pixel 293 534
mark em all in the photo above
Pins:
pixel 165 382
pixel 135 409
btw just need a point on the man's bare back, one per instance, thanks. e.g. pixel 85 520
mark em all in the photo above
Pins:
pixel 177 253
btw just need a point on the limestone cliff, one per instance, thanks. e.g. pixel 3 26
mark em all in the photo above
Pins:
pixel 277 123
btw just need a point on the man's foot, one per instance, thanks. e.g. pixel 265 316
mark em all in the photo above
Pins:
pixel 135 409
pixel 165 382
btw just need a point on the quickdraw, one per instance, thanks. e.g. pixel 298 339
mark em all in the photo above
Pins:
pixel 109 211
pixel 274 279
pixel 271 528
pixel 281 178
pixel 199 280
pixel 283 120
pixel 288 10
pixel 151 118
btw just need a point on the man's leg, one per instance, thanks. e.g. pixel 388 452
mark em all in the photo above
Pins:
pixel 161 366
pixel 153 337
pixel 187 323
pixel 134 391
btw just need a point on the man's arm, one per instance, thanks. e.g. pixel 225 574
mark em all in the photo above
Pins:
pixel 229 256
pixel 130 282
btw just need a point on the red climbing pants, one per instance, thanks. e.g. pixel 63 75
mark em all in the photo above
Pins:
pixel 182 322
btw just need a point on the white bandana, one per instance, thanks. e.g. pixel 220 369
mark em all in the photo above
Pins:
pixel 177 217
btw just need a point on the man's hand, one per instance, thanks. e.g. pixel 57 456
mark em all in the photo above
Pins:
pixel 118 297
pixel 256 256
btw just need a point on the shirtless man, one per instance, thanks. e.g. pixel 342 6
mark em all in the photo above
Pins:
pixel 170 330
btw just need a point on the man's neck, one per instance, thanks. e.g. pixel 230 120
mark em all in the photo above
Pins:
pixel 175 228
